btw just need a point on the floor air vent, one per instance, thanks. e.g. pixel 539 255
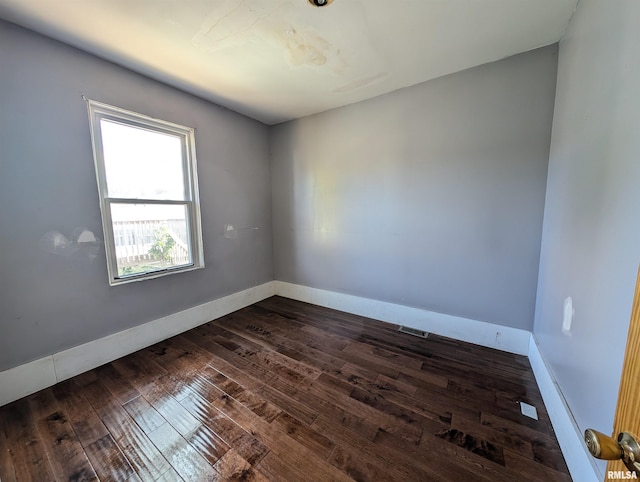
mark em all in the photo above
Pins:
pixel 413 331
pixel 528 410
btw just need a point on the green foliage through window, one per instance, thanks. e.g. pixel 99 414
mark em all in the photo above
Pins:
pixel 163 243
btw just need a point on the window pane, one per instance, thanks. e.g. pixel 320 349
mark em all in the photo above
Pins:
pixel 150 237
pixel 141 163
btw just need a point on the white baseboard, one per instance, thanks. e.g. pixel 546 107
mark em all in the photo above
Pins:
pixel 581 464
pixel 503 338
pixel 26 379
pixel 31 377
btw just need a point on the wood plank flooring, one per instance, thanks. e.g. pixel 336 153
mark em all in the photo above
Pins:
pixel 288 391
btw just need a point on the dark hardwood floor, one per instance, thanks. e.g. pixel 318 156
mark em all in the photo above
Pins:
pixel 287 391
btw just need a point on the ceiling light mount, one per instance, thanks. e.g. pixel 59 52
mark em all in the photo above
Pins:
pixel 320 3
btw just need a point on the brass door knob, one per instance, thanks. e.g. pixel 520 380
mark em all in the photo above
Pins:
pixel 604 447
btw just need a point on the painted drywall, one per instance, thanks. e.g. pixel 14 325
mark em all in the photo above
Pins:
pixel 430 197
pixel 591 235
pixel 50 302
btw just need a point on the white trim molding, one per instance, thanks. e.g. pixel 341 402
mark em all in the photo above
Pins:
pixel 512 340
pixel 521 342
pixel 28 378
pixel 581 464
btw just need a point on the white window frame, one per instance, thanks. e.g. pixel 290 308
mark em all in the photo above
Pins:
pixel 99 111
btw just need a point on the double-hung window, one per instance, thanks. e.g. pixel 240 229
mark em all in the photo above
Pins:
pixel 146 173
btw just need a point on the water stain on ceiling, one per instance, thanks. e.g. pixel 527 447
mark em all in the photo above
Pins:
pixel 276 29
pixel 275 60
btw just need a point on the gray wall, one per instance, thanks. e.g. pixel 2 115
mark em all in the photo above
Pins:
pixel 431 196
pixel 50 302
pixel 591 240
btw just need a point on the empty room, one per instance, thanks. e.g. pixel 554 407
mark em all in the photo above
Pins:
pixel 319 240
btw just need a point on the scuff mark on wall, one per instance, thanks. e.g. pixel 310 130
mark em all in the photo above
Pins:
pixel 231 232
pixel 83 244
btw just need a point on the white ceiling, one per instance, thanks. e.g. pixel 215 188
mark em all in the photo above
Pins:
pixel 276 60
